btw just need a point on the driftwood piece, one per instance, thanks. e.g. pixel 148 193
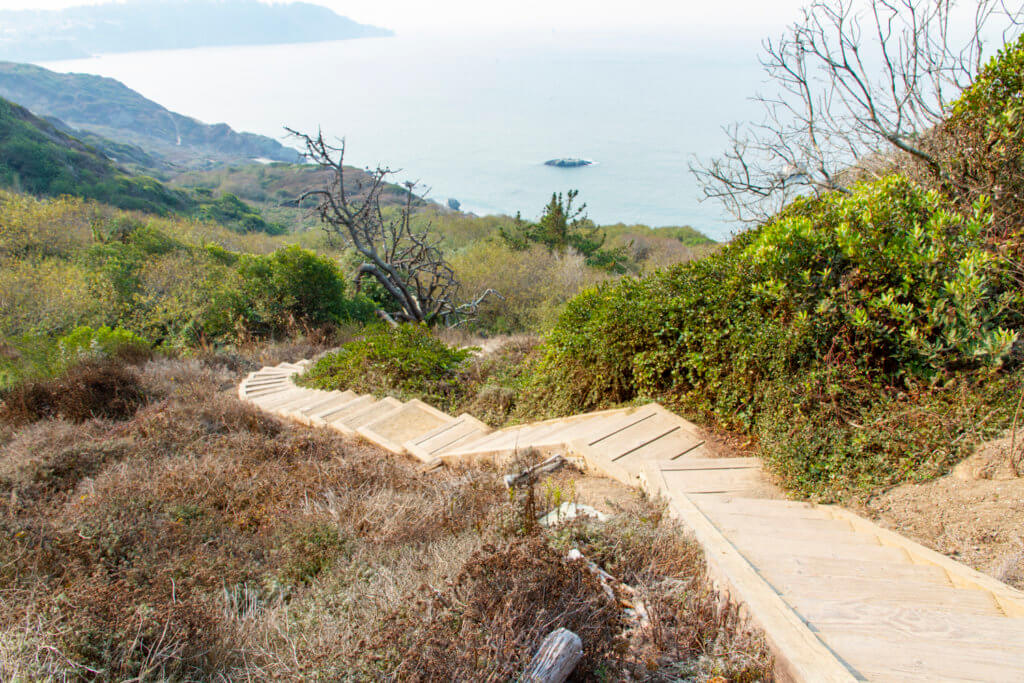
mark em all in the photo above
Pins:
pixel 626 596
pixel 549 465
pixel 558 655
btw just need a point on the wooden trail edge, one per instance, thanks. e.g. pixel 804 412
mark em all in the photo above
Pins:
pixel 799 653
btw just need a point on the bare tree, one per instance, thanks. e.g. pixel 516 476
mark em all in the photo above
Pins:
pixel 408 263
pixel 858 86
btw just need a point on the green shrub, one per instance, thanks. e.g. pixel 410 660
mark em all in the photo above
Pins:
pixel 982 143
pixel 407 361
pixel 291 289
pixel 693 336
pixel 86 342
pixel 233 213
pixel 890 278
pixel 821 316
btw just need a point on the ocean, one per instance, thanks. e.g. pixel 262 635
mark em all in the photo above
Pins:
pixel 474 117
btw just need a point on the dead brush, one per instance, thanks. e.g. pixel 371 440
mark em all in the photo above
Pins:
pixel 104 388
pixel 201 539
pixel 488 621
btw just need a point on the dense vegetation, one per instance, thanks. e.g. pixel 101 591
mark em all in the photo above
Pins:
pixel 865 338
pixel 36 157
pixel 66 263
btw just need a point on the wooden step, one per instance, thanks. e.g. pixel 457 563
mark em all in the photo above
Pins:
pixel 340 412
pixel 758 547
pixel 283 401
pixel 372 412
pixel 812 529
pixel 254 392
pixel 320 399
pixel 267 381
pixel 881 590
pixel 1010 600
pixel 774 568
pixel 760 507
pixel 274 400
pixel 543 436
pixel 273 370
pixel 953 600
pixel 343 398
pixel 737 482
pixel 464 429
pixel 652 434
pixel 413 419
pixel 847 615
pixel 914 659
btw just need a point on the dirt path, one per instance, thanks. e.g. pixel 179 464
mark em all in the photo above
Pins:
pixel 975 514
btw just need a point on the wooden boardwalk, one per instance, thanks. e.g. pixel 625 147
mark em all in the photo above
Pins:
pixel 839 598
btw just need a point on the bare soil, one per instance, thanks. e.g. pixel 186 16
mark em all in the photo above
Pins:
pixel 975 514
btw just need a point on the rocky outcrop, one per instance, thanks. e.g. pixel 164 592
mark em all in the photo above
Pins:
pixel 568 162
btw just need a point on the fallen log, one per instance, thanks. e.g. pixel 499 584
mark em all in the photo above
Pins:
pixel 558 655
pixel 549 465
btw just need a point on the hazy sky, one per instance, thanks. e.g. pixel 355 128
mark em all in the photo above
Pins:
pixel 693 16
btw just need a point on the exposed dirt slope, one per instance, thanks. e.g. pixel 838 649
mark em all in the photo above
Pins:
pixel 975 514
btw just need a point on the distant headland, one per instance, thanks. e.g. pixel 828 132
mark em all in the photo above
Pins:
pixel 76 32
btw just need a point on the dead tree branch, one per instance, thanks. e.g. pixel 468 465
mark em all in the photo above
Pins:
pixel 407 262
pixel 857 83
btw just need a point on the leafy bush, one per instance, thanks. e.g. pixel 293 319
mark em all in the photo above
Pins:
pixel 828 432
pixel 290 289
pixel 890 278
pixel 983 142
pixel 232 212
pixel 407 361
pixel 85 342
pixel 836 306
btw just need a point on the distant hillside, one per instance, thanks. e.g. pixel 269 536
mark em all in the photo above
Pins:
pixel 110 109
pixel 32 35
pixel 37 157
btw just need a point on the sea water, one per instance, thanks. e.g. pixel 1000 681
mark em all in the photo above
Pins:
pixel 474 117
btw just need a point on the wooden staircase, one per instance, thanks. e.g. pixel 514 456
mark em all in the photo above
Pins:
pixel 839 598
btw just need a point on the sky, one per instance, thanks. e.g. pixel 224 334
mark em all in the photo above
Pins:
pixel 764 17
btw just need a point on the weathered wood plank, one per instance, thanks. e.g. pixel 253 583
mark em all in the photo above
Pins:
pixel 558 655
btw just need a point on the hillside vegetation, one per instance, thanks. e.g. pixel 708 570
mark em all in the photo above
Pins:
pixel 112 111
pixel 38 158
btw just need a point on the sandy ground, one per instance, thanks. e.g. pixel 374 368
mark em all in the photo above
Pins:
pixel 975 514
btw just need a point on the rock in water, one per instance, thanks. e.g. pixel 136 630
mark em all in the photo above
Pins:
pixel 568 162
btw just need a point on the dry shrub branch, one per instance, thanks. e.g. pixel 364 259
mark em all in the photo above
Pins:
pixel 199 539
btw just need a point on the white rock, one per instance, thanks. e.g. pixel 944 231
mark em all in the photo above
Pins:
pixel 568 511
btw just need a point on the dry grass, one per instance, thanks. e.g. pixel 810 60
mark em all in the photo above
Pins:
pixel 96 388
pixel 198 539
